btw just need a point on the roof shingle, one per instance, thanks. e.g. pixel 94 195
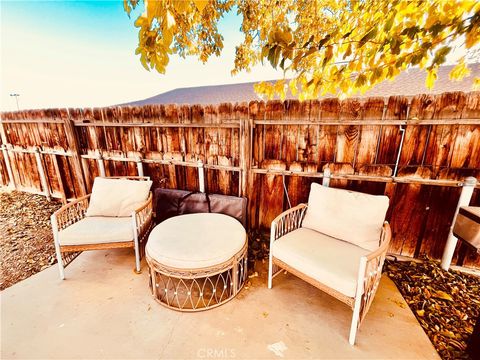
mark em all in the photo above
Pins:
pixel 408 83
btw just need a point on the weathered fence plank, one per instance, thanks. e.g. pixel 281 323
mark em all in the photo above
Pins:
pixel 415 150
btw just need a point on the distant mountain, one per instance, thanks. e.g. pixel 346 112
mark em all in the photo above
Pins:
pixel 408 83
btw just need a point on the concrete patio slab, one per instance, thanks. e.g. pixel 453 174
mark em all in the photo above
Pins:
pixel 104 310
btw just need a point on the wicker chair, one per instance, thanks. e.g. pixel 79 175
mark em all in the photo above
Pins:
pixel 75 231
pixel 328 260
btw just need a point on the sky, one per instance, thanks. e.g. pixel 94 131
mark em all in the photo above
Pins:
pixel 82 54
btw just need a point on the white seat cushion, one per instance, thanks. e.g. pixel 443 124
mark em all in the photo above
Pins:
pixel 330 261
pixel 196 241
pixel 97 230
pixel 347 215
pixel 117 197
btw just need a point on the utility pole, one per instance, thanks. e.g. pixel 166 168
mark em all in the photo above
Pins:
pixel 16 99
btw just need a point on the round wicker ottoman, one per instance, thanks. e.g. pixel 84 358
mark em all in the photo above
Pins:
pixel 197 261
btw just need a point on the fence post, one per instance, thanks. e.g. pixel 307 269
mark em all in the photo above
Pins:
pixel 41 171
pixel 59 178
pixel 3 137
pixel 139 166
pixel 464 200
pixel 73 144
pixel 101 165
pixel 201 176
pixel 326 177
pixel 11 179
pixel 245 154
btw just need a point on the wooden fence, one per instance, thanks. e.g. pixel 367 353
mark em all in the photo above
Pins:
pixel 416 150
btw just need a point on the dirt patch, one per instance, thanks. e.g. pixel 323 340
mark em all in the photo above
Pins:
pixel 446 304
pixel 26 242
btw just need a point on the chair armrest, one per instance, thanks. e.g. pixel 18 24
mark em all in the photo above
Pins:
pixel 71 213
pixel 287 221
pixel 143 216
pixel 385 238
pixel 370 271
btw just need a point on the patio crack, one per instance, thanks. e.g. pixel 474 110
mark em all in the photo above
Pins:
pixel 170 335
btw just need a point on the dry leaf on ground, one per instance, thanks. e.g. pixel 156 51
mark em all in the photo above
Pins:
pixel 25 235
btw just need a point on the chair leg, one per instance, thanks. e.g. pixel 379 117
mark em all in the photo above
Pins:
pixel 270 271
pixel 61 268
pixel 138 269
pixel 136 244
pixel 353 328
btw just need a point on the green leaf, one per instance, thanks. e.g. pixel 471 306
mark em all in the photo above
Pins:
pixel 389 23
pixel 441 55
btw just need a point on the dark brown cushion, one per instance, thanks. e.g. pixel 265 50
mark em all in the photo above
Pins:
pixel 170 202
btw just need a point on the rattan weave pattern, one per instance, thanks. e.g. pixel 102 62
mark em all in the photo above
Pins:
pixel 192 290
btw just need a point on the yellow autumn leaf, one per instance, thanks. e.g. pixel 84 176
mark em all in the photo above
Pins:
pixel 181 6
pixel 472 38
pixel 200 4
pixel 151 7
pixel 442 295
pixel 476 83
pixel 459 71
pixel 420 312
pixel 167 37
pixel 431 77
pixel 170 20
pixel 126 7
pixel 293 86
pixel 396 35
pixel 141 21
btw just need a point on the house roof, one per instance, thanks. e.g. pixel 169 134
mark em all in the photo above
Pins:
pixel 408 83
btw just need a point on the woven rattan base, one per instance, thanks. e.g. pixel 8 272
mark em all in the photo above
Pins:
pixel 198 289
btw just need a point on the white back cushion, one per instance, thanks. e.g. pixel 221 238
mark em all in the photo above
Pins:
pixel 117 197
pixel 346 215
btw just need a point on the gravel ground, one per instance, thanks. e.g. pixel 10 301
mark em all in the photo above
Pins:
pixel 26 242
pixel 446 303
